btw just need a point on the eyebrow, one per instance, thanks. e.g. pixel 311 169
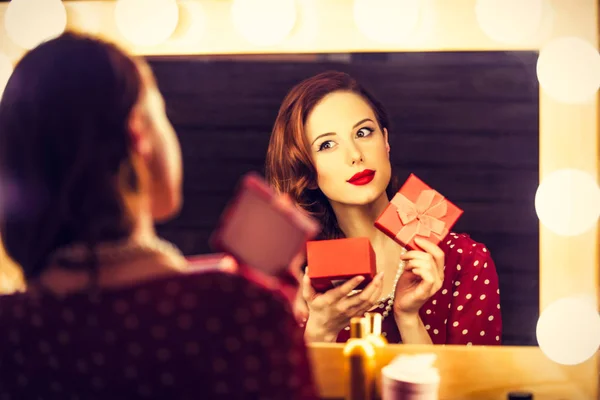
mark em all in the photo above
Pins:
pixel 362 121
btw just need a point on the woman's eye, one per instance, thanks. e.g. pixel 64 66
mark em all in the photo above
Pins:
pixel 326 145
pixel 364 132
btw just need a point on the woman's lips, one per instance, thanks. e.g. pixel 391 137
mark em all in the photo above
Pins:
pixel 362 178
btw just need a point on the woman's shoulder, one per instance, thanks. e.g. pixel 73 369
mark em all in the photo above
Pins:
pixel 194 289
pixel 226 285
pixel 462 252
pixel 462 244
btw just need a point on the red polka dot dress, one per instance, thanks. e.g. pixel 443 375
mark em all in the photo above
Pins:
pixel 209 335
pixel 466 310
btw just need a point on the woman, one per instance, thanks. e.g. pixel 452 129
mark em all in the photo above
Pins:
pixel 328 132
pixel 109 312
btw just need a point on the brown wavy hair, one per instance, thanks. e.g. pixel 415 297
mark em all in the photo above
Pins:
pixel 289 167
pixel 65 162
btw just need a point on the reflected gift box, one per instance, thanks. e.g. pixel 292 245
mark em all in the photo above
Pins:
pixel 332 262
pixel 417 210
pixel 261 230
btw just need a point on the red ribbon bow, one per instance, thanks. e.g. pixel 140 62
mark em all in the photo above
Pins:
pixel 421 218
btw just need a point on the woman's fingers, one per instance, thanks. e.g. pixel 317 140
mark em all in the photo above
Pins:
pixel 308 292
pixel 365 296
pixel 334 295
pixel 430 283
pixel 434 250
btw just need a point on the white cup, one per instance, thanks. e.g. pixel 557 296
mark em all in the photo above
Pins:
pixel 410 378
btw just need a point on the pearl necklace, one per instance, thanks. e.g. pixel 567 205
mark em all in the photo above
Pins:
pixel 390 297
pixel 114 252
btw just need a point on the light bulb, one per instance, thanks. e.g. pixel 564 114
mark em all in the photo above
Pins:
pixel 567 202
pixel 568 331
pixel 509 21
pixel 264 22
pixel 31 22
pixel 568 70
pixel 146 22
pixel 387 21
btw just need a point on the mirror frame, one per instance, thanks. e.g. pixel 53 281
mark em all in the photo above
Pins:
pixel 568 265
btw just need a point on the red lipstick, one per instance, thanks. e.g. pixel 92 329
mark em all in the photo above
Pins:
pixel 362 178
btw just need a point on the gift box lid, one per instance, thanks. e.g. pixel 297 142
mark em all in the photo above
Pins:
pixel 417 210
pixel 260 230
pixel 340 257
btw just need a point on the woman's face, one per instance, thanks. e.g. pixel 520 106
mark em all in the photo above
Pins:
pixel 349 150
pixel 163 152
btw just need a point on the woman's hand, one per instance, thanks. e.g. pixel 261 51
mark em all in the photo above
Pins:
pixel 422 277
pixel 331 311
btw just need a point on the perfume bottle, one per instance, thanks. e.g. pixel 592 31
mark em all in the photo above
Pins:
pixel 373 323
pixel 360 361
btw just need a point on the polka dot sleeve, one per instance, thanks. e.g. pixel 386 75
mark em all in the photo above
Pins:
pixel 475 317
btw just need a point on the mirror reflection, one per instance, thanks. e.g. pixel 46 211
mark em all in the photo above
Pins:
pixel 342 143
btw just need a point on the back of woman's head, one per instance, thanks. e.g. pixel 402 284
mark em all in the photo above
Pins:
pixel 63 144
pixel 289 166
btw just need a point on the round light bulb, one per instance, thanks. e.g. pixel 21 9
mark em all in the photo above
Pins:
pixel 509 21
pixel 146 22
pixel 568 70
pixel 387 21
pixel 264 22
pixel 86 17
pixel 568 331
pixel 6 69
pixel 192 23
pixel 31 22
pixel 567 202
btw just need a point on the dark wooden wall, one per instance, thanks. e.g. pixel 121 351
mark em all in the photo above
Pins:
pixel 466 123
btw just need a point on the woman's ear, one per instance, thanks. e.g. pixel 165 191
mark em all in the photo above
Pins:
pixel 387 141
pixel 138 133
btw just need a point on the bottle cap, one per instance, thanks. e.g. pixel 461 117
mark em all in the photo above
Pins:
pixel 376 320
pixel 520 396
pixel 357 328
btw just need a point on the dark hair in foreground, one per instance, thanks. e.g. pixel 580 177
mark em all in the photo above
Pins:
pixel 64 148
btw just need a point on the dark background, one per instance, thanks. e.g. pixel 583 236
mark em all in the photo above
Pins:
pixel 466 123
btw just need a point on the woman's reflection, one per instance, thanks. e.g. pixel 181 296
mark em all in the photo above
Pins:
pixel 328 130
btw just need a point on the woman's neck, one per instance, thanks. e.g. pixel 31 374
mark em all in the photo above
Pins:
pixel 359 220
pixel 143 228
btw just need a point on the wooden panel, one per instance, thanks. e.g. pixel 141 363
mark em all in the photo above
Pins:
pixel 472 373
pixel 508 218
pixel 466 123
pixel 410 146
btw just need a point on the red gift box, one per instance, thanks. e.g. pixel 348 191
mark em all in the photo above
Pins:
pixel 262 231
pixel 417 210
pixel 332 262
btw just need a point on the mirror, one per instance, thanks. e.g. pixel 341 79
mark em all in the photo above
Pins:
pixel 467 123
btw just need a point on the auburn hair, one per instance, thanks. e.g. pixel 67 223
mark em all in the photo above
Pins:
pixel 289 167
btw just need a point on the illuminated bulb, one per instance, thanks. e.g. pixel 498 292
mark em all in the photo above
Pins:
pixel 146 22
pixel 568 70
pixel 387 21
pixel 264 22
pixel 192 23
pixel 6 69
pixel 509 21
pixel 568 331
pixel 86 17
pixel 567 202
pixel 31 22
